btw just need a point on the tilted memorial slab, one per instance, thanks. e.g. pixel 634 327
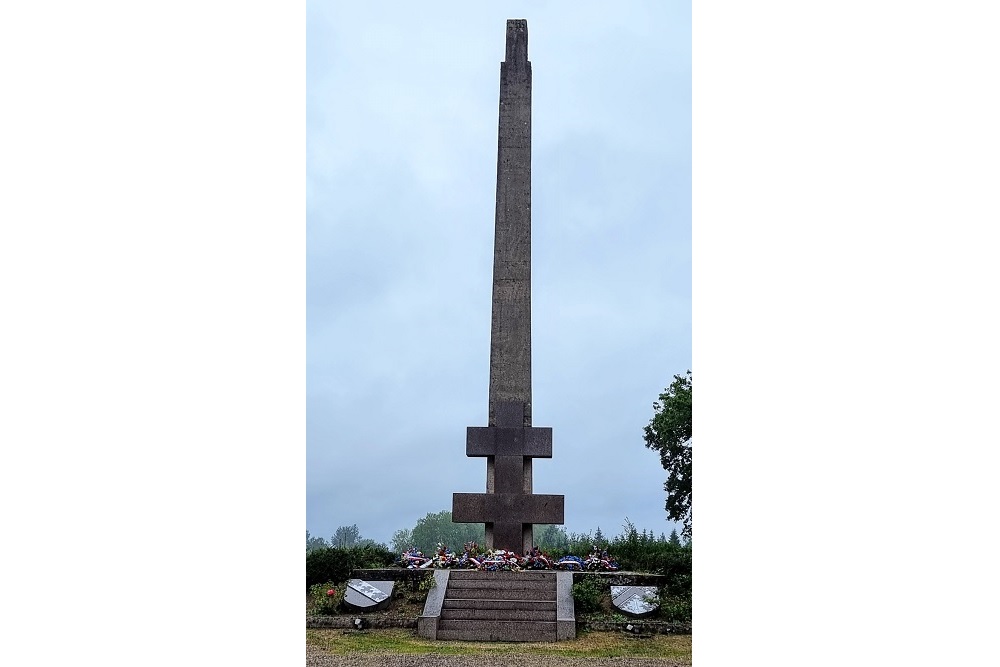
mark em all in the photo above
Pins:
pixel 368 595
pixel 634 600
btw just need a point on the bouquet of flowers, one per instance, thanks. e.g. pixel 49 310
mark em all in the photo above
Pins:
pixel 469 559
pixel 600 560
pixel 412 559
pixel 445 557
pixel 574 563
pixel 536 560
pixel 500 560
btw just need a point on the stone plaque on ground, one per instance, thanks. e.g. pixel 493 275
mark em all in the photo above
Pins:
pixel 368 595
pixel 632 599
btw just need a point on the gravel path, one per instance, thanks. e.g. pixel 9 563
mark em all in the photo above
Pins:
pixel 317 658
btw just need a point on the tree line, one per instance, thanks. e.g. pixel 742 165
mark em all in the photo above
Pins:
pixel 437 528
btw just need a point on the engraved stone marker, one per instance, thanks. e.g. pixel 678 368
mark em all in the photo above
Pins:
pixel 368 596
pixel 632 599
pixel 509 508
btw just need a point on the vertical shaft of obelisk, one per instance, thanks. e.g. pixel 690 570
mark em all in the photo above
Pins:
pixel 510 342
pixel 510 339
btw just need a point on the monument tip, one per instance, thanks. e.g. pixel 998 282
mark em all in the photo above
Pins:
pixel 517 41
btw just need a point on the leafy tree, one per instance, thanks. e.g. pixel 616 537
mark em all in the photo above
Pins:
pixel 346 536
pixel 402 540
pixel 669 433
pixel 313 543
pixel 438 527
pixel 629 532
pixel 550 537
pixel 599 537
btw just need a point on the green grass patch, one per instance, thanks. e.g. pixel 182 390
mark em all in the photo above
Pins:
pixel 586 645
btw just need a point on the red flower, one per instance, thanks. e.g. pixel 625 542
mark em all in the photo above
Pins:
pixel 331 592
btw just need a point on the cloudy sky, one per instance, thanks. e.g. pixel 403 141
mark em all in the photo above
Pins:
pixel 401 172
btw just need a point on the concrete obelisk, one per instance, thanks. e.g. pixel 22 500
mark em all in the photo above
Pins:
pixel 509 508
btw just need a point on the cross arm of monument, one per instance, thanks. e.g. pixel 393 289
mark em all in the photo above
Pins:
pixel 508 513
pixel 513 507
pixel 535 442
pixel 510 437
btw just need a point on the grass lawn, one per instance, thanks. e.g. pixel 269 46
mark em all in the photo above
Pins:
pixel 586 645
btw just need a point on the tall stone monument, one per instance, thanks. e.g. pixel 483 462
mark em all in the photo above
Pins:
pixel 509 442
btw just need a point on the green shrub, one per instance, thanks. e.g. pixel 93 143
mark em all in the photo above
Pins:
pixel 675 564
pixel 677 610
pixel 328 565
pixel 372 555
pixel 323 603
pixel 335 564
pixel 671 608
pixel 426 584
pixel 588 594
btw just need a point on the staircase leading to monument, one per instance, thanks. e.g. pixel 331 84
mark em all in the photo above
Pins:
pixel 499 606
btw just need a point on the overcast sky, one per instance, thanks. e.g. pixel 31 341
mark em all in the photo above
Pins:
pixel 402 104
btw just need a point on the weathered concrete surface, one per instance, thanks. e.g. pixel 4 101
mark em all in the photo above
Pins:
pixel 565 607
pixel 519 441
pixel 498 631
pixel 510 333
pixel 412 578
pixel 499 614
pixel 518 605
pixel 510 348
pixel 508 509
pixel 500 606
pixel 510 512
pixel 427 624
pixel 491 593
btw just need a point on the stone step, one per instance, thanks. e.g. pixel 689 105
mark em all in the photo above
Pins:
pixel 528 575
pixel 522 605
pixel 497 631
pixel 495 594
pixel 499 614
pixel 467 584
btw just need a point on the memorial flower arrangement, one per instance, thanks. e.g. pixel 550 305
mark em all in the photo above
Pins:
pixel 445 557
pixel 501 560
pixel 599 560
pixel 574 563
pixel 412 559
pixel 536 560
pixel 470 558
